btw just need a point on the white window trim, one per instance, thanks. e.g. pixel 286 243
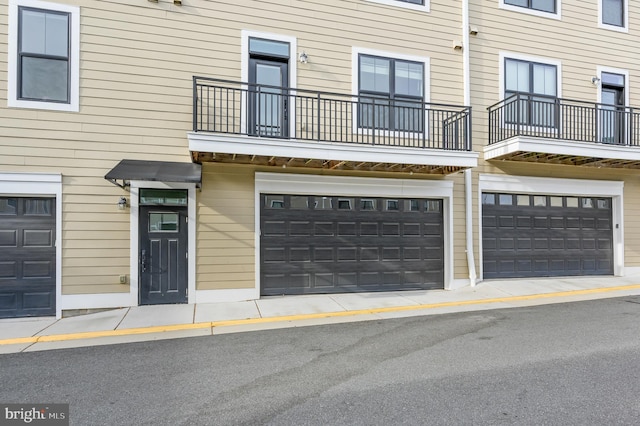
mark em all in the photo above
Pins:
pixel 558 186
pixel 557 15
pixel 244 70
pixel 517 56
pixel 40 184
pixel 404 5
pixel 74 59
pixel 355 77
pixel 295 184
pixel 624 28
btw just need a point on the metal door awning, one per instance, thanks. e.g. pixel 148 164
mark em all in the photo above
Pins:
pixel 156 171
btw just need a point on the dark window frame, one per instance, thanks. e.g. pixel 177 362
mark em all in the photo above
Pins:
pixel 21 55
pixel 529 119
pixel 530 5
pixel 391 96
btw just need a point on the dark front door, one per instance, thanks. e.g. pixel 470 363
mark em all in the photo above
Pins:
pixel 163 255
pixel 269 98
pixel 27 257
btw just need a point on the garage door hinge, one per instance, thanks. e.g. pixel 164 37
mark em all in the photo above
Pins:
pixel 186 219
pixel 186 255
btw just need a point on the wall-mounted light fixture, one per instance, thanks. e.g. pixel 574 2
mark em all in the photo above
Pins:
pixel 177 2
pixel 303 57
pixel 595 80
pixel 473 30
pixel 457 44
pixel 122 203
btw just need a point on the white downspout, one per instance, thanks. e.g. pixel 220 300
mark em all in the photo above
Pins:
pixel 468 183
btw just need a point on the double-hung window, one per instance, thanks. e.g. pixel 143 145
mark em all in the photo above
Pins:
pixel 613 14
pixel 391 94
pixel 531 93
pixel 43 55
pixel 540 5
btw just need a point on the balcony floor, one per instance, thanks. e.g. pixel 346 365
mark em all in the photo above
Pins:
pixel 210 147
pixel 565 152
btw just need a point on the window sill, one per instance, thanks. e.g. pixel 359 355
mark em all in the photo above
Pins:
pixel 613 28
pixel 51 106
pixel 403 5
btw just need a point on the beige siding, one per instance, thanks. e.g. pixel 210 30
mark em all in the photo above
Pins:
pixel 137 62
pixel 136 69
pixel 226 228
pixel 580 46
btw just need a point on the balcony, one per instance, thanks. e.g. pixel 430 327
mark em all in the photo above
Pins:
pixel 545 129
pixel 283 127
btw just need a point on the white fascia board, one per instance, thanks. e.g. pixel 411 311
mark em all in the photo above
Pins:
pixel 561 147
pixel 550 186
pixel 245 145
pixel 351 186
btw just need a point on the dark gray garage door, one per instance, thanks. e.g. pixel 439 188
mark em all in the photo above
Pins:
pixel 27 257
pixel 316 244
pixel 543 236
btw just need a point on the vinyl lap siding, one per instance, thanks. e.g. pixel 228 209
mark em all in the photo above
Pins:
pixel 136 67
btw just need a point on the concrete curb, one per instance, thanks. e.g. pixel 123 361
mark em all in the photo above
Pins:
pixel 218 324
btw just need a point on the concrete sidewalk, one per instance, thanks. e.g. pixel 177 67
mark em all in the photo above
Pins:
pixel 174 321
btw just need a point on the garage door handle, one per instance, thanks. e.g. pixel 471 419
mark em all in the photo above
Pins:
pixel 143 260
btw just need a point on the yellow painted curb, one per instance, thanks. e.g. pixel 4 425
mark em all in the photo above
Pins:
pixel 249 321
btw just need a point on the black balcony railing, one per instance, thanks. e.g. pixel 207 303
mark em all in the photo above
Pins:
pixel 554 118
pixel 228 107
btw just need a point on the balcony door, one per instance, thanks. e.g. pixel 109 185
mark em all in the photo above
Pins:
pixel 612 110
pixel 268 88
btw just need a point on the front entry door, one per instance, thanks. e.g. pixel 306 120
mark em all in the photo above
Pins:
pixel 269 98
pixel 163 255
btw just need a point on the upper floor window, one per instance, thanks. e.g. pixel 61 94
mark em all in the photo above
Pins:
pixel 544 8
pixel 613 14
pixel 391 93
pixel 43 55
pixel 420 5
pixel 541 5
pixel 535 85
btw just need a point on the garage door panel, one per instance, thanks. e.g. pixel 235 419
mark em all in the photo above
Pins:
pixel 8 238
pixel 8 270
pixel 37 238
pixel 369 246
pixel 563 240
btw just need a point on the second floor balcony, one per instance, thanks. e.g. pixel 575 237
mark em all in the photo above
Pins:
pixel 277 126
pixel 544 129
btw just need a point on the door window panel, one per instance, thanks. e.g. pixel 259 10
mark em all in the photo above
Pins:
pixel 163 222
pixel 165 197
